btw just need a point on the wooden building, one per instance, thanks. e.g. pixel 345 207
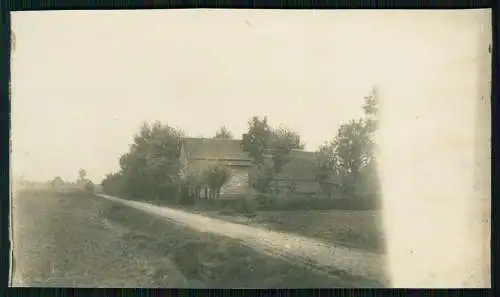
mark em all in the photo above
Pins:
pixel 197 154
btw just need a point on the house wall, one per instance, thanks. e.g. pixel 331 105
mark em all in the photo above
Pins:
pixel 199 165
pixel 301 187
pixel 237 184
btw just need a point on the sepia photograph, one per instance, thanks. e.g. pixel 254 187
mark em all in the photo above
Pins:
pixel 222 148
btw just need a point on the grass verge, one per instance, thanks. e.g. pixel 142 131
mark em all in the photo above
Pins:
pixel 360 229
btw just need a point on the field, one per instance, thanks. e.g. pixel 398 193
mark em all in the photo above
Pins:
pixel 64 239
pixel 94 242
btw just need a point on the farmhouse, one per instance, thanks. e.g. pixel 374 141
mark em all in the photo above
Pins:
pixel 197 154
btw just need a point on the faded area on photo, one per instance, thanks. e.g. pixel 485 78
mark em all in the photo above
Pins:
pixel 434 146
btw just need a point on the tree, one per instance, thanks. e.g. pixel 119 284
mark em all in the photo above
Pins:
pixel 326 169
pixel 261 176
pixel 151 166
pixel 57 181
pixel 371 183
pixel 89 187
pixel 354 147
pixel 82 173
pixel 114 184
pixel 257 139
pixel 223 133
pixel 283 141
pixel 370 106
pixel 216 176
pixel 256 142
pixel 270 149
pixel 194 182
pixel 352 151
pixel 371 110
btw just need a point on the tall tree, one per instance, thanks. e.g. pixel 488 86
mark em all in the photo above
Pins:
pixel 371 182
pixel 257 139
pixel 82 173
pixel 270 149
pixel 57 181
pixel 326 168
pixel 261 176
pixel 371 110
pixel 223 134
pixel 353 151
pixel 114 184
pixel 283 141
pixel 152 165
pixel 89 187
pixel 354 148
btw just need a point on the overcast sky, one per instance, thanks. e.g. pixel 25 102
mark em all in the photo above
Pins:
pixel 83 81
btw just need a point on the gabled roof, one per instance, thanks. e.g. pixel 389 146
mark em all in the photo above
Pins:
pixel 214 148
pixel 300 167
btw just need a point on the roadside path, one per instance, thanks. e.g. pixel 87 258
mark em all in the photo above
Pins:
pixel 295 248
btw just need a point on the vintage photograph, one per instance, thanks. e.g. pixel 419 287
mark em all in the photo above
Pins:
pixel 248 148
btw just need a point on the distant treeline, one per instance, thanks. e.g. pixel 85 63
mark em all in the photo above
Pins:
pixel 82 183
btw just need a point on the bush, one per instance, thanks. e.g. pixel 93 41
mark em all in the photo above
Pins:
pixel 89 187
pixel 185 199
pixel 114 185
pixel 246 205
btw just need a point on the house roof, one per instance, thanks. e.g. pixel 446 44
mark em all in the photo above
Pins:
pixel 214 148
pixel 301 165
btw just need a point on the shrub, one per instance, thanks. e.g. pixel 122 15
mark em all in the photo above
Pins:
pixel 185 199
pixel 89 187
pixel 246 204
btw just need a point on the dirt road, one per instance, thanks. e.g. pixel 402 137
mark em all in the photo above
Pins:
pixel 370 266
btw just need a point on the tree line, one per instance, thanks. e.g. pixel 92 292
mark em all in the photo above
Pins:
pixel 82 183
pixel 152 167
